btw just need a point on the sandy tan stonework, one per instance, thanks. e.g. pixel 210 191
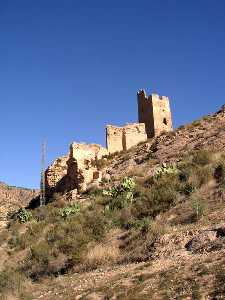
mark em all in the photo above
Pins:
pixel 123 138
pixel 154 111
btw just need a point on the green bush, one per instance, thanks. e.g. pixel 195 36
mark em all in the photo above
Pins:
pixel 64 244
pixel 70 210
pixel 121 195
pixel 165 169
pixel 127 185
pixel 157 197
pixel 142 224
pixel 24 215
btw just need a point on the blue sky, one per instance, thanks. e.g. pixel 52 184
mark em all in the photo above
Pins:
pixel 68 68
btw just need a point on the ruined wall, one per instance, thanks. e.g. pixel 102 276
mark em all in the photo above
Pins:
pixel 145 113
pixel 155 112
pixel 123 138
pixel 84 171
pixel 114 138
pixel 76 170
pixel 55 173
pixel 161 114
pixel 134 134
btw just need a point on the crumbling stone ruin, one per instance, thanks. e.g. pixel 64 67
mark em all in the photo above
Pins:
pixel 123 138
pixel 154 112
pixel 154 118
pixel 76 171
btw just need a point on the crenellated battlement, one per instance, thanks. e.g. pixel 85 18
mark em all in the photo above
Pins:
pixel 154 111
pixel 154 117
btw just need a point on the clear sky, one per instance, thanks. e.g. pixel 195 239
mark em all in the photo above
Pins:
pixel 69 67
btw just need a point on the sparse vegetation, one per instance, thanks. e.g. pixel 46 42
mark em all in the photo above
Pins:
pixel 198 207
pixel 12 283
pixel 64 238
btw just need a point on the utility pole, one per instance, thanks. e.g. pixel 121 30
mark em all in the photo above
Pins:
pixel 42 185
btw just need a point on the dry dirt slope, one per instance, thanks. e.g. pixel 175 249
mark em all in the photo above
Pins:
pixel 174 271
pixel 12 198
pixel 205 133
pixel 187 259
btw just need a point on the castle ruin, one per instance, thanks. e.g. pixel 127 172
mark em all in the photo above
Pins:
pixel 154 112
pixel 123 138
pixel 154 117
pixel 78 170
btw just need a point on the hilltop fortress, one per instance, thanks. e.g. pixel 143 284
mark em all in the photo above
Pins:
pixel 77 170
pixel 154 117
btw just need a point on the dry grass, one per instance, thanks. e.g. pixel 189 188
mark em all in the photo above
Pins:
pixel 101 254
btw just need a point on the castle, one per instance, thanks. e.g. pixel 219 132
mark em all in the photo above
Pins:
pixel 154 117
pixel 76 171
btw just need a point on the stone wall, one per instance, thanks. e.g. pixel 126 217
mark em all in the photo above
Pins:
pixel 75 171
pixel 114 138
pixel 123 138
pixel 55 174
pixel 84 170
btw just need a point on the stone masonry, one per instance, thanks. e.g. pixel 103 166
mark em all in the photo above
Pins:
pixel 75 171
pixel 154 111
pixel 154 118
pixel 123 138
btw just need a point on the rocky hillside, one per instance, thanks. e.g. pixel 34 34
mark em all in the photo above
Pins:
pixel 206 133
pixel 12 198
pixel 152 228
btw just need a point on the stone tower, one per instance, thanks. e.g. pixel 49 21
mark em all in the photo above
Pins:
pixel 154 111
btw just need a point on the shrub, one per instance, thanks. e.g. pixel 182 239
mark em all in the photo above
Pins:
pixel 11 280
pixel 142 224
pixel 100 254
pixel 4 235
pixel 94 225
pixel 187 189
pixel 24 215
pixel 202 157
pixel 127 185
pixel 69 210
pixel 219 172
pixel 31 235
pixel 41 213
pixel 159 196
pixel 44 260
pixel 196 123
pixel 200 175
pixel 139 244
pixel 165 169
pixel 121 195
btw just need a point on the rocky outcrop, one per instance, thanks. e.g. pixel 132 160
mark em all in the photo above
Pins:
pixel 75 171
pixel 207 133
pixel 207 241
pixel 12 198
